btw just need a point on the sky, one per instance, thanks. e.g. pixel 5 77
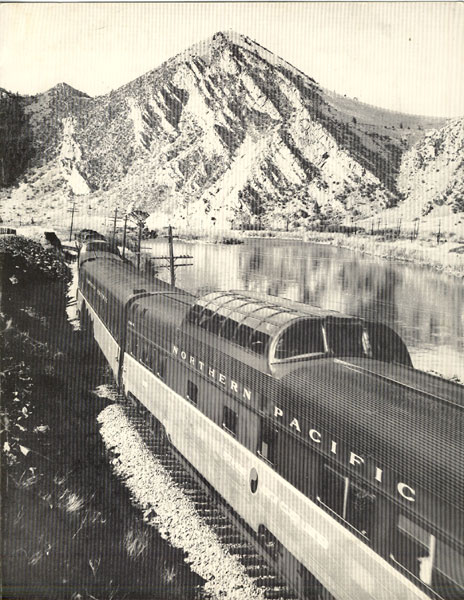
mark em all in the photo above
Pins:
pixel 405 56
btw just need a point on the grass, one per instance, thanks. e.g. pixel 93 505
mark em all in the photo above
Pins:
pixel 446 255
pixel 422 251
pixel 69 526
pixel 135 542
pixel 70 501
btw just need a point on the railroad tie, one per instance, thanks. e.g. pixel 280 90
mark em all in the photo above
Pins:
pixel 212 512
pixel 269 580
pixel 241 549
pixel 252 560
pixel 201 505
pixel 279 593
pixel 230 538
pixel 254 570
pixel 226 529
pixel 214 520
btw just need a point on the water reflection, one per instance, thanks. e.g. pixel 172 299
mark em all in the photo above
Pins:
pixel 424 307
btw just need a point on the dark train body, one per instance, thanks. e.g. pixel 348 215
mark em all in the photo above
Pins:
pixel 311 424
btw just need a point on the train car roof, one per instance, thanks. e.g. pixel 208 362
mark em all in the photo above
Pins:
pixel 272 312
pixel 377 402
pixel 124 282
pixel 120 278
pixel 270 329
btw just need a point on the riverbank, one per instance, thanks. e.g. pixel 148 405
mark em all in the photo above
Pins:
pixel 445 255
pixel 443 252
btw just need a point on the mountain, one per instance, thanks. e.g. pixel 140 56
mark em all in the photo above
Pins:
pixel 432 171
pixel 225 133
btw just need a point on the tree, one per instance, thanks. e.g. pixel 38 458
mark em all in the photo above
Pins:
pixel 295 205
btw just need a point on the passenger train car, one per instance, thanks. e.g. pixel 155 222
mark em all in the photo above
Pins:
pixel 313 425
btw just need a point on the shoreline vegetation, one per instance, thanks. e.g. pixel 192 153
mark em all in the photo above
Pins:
pixel 445 255
pixel 438 246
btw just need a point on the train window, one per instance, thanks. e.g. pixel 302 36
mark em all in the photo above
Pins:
pixel 256 341
pixel 414 549
pixel 129 337
pixel 192 392
pixel 350 501
pixel 133 343
pixel 345 339
pixel 229 420
pixel 267 445
pixel 259 342
pixel 448 572
pixel 195 314
pixel 161 367
pixel 158 364
pixel 359 508
pixel 242 335
pixel 333 490
pixel 205 317
pixel 300 339
pixel 215 323
pixel 144 353
pixel 228 329
pixel 431 560
pixel 386 345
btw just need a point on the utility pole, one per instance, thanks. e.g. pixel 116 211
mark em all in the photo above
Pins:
pixel 170 261
pixel 72 220
pixel 114 224
pixel 139 245
pixel 124 237
pixel 171 257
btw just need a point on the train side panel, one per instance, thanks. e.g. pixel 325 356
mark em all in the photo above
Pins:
pixel 108 345
pixel 216 414
pixel 347 568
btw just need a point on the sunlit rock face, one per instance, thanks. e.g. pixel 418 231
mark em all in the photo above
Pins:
pixel 224 134
pixel 432 171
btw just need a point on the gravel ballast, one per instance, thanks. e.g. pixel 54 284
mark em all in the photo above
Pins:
pixel 167 508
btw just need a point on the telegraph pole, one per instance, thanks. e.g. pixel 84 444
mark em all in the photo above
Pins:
pixel 114 224
pixel 171 257
pixel 170 261
pixel 72 220
pixel 139 245
pixel 124 237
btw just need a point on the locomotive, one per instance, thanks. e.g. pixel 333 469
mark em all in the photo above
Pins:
pixel 311 424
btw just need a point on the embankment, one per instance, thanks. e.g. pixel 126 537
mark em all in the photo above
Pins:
pixel 69 529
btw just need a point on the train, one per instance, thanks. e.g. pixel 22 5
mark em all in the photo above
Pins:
pixel 311 424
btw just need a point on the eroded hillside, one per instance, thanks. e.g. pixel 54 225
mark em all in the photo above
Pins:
pixel 224 133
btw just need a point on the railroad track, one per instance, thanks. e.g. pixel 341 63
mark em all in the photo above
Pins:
pixel 251 550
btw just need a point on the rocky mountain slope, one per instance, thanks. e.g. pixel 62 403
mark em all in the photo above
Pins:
pixel 225 133
pixel 432 171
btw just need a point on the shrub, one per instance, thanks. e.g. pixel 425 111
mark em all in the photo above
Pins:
pixel 26 260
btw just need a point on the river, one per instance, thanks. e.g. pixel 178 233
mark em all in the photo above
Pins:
pixel 425 307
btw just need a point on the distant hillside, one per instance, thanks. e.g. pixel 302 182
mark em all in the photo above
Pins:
pixel 432 171
pixel 225 133
pixel 16 144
